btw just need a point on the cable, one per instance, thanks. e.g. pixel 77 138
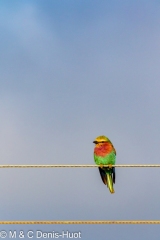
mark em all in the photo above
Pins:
pixel 85 222
pixel 75 166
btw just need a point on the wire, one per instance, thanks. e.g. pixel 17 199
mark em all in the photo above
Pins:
pixel 75 166
pixel 85 222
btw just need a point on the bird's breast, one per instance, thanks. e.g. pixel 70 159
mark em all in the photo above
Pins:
pixel 103 149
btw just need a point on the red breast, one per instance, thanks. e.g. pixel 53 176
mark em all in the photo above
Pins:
pixel 103 149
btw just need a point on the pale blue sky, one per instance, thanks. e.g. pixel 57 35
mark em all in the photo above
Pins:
pixel 70 71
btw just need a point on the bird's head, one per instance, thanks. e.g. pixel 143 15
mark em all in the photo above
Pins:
pixel 100 140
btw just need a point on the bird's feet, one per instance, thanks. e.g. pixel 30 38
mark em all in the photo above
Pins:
pixel 110 165
pixel 101 165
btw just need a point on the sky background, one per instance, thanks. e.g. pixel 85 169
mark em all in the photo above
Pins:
pixel 69 72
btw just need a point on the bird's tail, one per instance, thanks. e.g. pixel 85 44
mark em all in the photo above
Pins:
pixel 110 182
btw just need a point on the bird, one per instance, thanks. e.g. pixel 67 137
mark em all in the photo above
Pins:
pixel 105 154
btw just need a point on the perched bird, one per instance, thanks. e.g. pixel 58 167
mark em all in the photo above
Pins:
pixel 105 154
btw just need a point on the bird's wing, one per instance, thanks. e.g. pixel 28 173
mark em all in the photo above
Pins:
pixel 114 174
pixel 103 175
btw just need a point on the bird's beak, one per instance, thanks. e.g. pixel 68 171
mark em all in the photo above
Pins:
pixel 94 142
